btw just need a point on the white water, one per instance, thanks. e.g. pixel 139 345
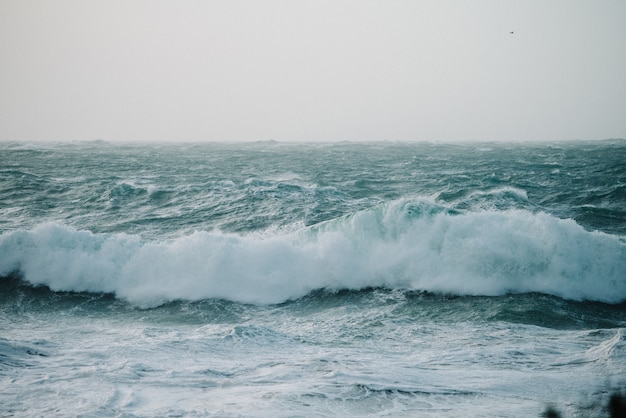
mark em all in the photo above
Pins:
pixel 346 360
pixel 406 244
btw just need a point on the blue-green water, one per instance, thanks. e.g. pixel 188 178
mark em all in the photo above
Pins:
pixel 269 279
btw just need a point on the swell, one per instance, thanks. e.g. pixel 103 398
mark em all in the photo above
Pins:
pixel 410 244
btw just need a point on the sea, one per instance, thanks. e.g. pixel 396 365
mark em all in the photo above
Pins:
pixel 268 279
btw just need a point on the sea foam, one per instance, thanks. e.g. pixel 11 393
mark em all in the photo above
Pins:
pixel 407 244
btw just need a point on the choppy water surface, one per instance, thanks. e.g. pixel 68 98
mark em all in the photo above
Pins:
pixel 312 280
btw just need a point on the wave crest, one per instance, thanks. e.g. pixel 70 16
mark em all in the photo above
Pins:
pixel 408 244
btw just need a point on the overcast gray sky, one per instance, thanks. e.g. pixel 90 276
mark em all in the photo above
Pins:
pixel 314 70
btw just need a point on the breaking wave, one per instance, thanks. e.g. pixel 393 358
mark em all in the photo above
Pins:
pixel 406 244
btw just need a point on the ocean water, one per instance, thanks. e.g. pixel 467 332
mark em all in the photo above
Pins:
pixel 279 280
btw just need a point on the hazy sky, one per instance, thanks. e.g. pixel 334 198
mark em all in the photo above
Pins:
pixel 313 70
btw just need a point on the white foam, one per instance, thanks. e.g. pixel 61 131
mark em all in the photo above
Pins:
pixel 502 192
pixel 404 244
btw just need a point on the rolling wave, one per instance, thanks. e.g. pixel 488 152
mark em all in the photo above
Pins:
pixel 406 244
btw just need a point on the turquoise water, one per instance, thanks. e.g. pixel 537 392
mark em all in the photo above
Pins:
pixel 270 279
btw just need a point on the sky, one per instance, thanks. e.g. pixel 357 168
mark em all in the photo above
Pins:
pixel 317 70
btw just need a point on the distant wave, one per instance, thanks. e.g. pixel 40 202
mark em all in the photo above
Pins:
pixel 408 244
